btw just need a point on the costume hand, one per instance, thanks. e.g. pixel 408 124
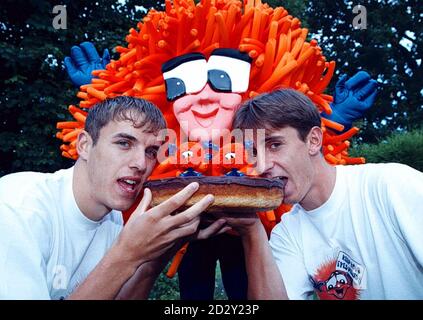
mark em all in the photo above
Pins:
pixel 82 61
pixel 352 98
pixel 149 234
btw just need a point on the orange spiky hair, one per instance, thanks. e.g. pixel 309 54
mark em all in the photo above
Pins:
pixel 273 39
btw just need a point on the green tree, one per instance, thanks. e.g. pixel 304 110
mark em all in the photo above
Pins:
pixel 390 49
pixel 401 147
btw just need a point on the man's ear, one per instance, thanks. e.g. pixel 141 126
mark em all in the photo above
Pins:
pixel 84 145
pixel 315 140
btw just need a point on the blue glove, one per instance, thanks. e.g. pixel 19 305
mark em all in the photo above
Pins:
pixel 83 60
pixel 352 98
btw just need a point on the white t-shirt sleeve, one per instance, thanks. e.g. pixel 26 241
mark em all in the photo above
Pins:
pixel 404 196
pixel 290 263
pixel 23 269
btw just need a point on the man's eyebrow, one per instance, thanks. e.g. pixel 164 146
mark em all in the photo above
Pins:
pixel 125 136
pixel 272 138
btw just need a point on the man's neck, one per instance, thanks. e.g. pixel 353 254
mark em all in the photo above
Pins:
pixel 83 194
pixel 322 186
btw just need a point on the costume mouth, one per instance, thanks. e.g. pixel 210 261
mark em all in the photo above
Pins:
pixel 339 293
pixel 205 119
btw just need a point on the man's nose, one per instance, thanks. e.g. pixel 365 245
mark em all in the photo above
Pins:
pixel 138 162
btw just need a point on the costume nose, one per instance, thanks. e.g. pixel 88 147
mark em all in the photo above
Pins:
pixel 206 94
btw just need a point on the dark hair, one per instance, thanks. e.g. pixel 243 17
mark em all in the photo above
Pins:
pixel 278 109
pixel 141 112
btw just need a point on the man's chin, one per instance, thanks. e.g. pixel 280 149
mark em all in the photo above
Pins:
pixel 123 204
pixel 290 200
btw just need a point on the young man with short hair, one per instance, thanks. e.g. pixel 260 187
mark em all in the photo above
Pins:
pixel 354 232
pixel 61 234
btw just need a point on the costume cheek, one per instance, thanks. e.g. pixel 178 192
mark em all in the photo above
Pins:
pixel 230 101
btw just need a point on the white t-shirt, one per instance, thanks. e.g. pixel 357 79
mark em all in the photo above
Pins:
pixel 364 242
pixel 47 246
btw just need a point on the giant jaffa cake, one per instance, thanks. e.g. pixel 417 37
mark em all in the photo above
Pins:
pixel 232 194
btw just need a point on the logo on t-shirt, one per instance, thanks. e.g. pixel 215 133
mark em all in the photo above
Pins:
pixel 338 279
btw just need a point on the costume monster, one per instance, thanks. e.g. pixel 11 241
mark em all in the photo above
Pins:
pixel 198 62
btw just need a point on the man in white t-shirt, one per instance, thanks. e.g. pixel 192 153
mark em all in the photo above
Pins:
pixel 354 232
pixel 61 234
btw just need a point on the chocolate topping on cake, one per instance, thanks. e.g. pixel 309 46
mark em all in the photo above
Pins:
pixel 179 182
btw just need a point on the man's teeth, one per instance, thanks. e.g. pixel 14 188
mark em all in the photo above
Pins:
pixel 130 181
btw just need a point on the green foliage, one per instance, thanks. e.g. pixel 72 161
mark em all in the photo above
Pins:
pixel 296 8
pixel 380 50
pixel 390 49
pixel 406 148
pixel 165 288
pixel 168 289
pixel 219 289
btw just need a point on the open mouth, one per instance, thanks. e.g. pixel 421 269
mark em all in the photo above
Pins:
pixel 205 119
pixel 283 179
pixel 129 185
pixel 339 293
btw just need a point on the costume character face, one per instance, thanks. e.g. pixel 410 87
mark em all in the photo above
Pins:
pixel 206 94
pixel 233 156
pixel 333 284
pixel 338 284
pixel 337 287
pixel 191 155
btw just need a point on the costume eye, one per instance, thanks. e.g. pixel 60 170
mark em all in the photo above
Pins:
pixel 341 279
pixel 219 80
pixel 331 283
pixel 175 88
pixel 230 155
pixel 187 154
pixel 229 70
pixel 184 75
